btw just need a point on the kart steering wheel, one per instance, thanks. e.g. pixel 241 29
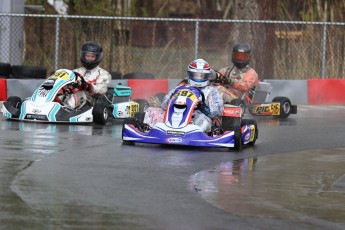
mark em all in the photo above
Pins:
pixel 78 75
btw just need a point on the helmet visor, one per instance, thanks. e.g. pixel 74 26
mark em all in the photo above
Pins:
pixel 240 56
pixel 91 56
pixel 198 76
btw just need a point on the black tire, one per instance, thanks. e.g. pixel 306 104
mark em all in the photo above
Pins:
pixel 5 70
pixel 143 104
pixel 285 106
pixel 233 123
pixel 100 113
pixel 239 102
pixel 140 117
pixel 238 138
pixel 15 101
pixel 251 122
pixel 25 72
pixel 116 75
pixel 138 75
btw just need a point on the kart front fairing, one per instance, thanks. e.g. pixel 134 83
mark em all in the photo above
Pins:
pixel 41 106
pixel 177 128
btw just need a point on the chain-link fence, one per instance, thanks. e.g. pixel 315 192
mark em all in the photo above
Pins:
pixel 164 47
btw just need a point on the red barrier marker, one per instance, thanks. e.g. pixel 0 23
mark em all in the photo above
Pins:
pixel 326 91
pixel 144 88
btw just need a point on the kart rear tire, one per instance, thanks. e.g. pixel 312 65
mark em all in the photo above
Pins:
pixel 100 113
pixel 15 101
pixel 251 122
pixel 140 117
pixel 143 104
pixel 285 106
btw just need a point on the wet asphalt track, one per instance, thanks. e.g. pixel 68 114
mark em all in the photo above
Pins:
pixel 82 177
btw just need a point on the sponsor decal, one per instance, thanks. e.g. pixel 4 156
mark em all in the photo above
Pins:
pixel 232 112
pixel 261 109
pixel 36 117
pixel 173 140
pixel 175 133
pixel 36 111
pixel 247 137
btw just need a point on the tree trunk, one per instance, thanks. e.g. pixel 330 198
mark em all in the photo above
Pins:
pixel 260 36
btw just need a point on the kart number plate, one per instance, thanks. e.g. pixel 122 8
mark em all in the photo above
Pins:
pixel 175 133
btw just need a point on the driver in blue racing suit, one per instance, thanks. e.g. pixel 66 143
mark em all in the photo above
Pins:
pixel 199 73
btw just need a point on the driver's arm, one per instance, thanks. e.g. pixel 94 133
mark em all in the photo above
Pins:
pixel 215 102
pixel 167 98
pixel 100 85
pixel 249 80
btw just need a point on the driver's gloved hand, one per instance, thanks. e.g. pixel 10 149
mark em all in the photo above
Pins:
pixel 202 107
pixel 86 86
pixel 77 74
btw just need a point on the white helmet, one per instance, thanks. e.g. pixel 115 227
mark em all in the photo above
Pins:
pixel 199 72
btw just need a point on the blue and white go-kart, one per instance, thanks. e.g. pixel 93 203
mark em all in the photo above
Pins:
pixel 45 105
pixel 229 131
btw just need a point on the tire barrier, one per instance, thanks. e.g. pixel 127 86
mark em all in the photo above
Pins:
pixel 26 72
pixel 115 75
pixel 139 75
pixel 5 70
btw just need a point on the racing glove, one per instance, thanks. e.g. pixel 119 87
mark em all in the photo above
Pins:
pixel 87 86
pixel 202 107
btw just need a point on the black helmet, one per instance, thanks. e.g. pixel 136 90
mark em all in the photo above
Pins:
pixel 94 48
pixel 241 54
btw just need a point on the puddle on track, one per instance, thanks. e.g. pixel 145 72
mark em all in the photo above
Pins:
pixel 291 186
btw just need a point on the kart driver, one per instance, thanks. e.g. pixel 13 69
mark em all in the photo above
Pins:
pixel 199 72
pixel 236 80
pixel 96 78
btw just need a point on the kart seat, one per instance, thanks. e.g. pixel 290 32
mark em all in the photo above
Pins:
pixel 260 93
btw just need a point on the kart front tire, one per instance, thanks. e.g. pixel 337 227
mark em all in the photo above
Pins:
pixel 100 113
pixel 238 138
pixel 285 106
pixel 15 101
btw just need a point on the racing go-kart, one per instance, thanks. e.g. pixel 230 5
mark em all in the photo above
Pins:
pixel 256 102
pixel 46 103
pixel 177 128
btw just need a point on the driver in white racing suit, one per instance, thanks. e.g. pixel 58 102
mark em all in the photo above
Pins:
pixel 96 79
pixel 199 73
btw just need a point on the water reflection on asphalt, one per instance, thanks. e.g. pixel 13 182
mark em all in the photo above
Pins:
pixel 294 186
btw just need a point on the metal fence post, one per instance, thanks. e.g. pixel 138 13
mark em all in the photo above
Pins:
pixel 196 38
pixel 57 32
pixel 324 44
